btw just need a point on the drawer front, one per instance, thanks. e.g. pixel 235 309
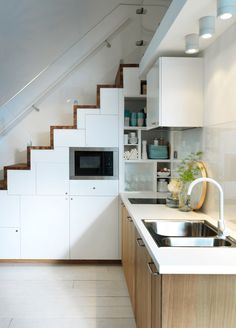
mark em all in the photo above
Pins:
pixel 93 187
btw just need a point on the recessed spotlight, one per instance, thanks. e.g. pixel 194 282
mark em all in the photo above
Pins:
pixel 191 43
pixel 206 26
pixel 226 8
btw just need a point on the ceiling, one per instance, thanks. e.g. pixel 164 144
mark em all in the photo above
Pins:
pixel 34 33
pixel 181 19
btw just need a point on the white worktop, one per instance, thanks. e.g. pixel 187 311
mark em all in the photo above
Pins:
pixel 179 260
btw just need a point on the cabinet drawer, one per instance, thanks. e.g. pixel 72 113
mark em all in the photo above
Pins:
pixel 93 187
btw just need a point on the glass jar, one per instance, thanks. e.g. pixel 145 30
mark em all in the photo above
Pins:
pixel 183 198
pixel 162 185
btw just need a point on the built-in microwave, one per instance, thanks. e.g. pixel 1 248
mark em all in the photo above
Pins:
pixel 93 163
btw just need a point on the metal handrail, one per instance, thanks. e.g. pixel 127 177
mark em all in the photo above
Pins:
pixel 32 105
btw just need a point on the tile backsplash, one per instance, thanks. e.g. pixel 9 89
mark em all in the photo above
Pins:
pixel 219 145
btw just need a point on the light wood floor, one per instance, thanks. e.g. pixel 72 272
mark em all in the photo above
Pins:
pixel 63 296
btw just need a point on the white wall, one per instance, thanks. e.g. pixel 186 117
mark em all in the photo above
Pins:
pixel 220 121
pixel 56 109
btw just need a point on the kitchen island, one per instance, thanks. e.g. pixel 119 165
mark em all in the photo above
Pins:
pixel 176 287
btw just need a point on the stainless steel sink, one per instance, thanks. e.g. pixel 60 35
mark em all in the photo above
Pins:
pixel 186 233
pixel 180 228
pixel 195 242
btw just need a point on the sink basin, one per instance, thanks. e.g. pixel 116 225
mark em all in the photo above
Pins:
pixel 180 228
pixel 195 242
pixel 182 233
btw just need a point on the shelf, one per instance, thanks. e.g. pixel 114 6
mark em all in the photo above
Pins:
pixel 130 144
pixel 147 161
pixel 142 128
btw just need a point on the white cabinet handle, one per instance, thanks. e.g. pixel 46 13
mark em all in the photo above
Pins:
pixel 140 242
pixel 152 269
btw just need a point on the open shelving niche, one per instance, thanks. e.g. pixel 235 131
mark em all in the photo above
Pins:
pixel 141 174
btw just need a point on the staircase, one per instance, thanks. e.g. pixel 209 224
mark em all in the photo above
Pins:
pixel 27 166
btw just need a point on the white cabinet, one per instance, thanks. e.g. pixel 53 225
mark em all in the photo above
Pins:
pixel 109 102
pixel 56 155
pixel 175 92
pixel 102 130
pixel 69 138
pixel 52 178
pixel 94 187
pixel 21 182
pixel 94 227
pixel 44 227
pixel 10 243
pixel 131 81
pixel 10 210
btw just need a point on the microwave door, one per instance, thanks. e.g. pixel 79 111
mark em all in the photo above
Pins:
pixel 89 164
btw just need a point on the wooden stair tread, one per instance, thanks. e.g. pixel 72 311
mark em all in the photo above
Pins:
pixel 3 185
pixel 19 166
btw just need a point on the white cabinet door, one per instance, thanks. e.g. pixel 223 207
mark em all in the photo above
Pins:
pixel 52 178
pixel 131 81
pixel 94 230
pixel 56 155
pixel 102 130
pixel 9 210
pixel 109 101
pixel 94 187
pixel 153 96
pixel 175 92
pixel 69 138
pixel 9 243
pixel 21 182
pixel 44 227
pixel 181 92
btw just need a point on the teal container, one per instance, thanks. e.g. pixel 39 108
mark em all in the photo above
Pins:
pixel 133 119
pixel 157 152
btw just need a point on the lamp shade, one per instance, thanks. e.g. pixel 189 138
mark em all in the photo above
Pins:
pixel 191 43
pixel 226 8
pixel 206 26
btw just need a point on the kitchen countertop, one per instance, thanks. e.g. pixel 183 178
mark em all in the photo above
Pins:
pixel 179 260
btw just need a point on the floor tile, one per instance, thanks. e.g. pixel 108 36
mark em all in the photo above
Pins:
pixel 101 288
pixel 73 323
pixel 64 296
pixel 60 272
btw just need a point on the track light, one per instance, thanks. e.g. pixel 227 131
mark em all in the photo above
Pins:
pixel 226 8
pixel 191 43
pixel 140 43
pixel 206 26
pixel 108 45
pixel 141 11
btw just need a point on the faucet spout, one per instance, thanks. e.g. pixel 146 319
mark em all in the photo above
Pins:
pixel 221 223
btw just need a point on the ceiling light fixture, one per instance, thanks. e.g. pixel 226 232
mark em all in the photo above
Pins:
pixel 226 8
pixel 206 26
pixel 191 43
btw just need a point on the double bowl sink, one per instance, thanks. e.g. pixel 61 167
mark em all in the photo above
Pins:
pixel 182 233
